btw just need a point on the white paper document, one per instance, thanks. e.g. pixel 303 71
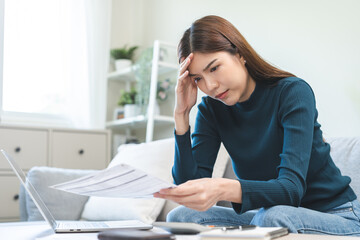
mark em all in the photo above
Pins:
pixel 119 181
pixel 264 233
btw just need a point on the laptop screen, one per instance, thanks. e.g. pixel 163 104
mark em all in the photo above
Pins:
pixel 31 190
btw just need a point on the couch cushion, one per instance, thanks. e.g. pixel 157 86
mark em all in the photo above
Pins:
pixel 345 151
pixel 62 205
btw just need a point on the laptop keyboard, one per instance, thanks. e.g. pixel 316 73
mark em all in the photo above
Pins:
pixel 82 225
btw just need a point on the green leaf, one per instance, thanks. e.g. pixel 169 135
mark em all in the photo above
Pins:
pixel 123 53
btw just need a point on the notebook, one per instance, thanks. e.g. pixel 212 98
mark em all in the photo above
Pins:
pixel 69 226
pixel 265 233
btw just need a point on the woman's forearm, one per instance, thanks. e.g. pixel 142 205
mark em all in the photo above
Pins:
pixel 230 190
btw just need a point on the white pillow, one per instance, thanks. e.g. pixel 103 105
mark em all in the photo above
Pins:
pixel 220 164
pixel 155 158
pixel 345 151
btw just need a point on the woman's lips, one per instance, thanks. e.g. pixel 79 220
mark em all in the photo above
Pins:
pixel 222 95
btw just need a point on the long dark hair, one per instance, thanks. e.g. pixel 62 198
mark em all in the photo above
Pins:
pixel 213 33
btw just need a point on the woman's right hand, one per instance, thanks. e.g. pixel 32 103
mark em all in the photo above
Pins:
pixel 186 96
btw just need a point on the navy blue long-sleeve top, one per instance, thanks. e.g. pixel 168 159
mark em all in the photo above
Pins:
pixel 276 147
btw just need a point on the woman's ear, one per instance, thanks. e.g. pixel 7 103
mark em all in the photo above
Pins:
pixel 242 60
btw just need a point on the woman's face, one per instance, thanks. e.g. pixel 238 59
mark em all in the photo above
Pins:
pixel 222 76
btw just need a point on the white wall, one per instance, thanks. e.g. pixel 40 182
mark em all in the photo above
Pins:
pixel 316 40
pixel 126 22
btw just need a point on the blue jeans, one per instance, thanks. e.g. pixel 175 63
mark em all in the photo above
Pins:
pixel 341 220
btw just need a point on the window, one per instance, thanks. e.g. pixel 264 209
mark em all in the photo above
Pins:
pixel 45 68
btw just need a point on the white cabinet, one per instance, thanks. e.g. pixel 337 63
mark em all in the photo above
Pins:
pixel 150 119
pixel 20 143
pixel 9 187
pixel 79 150
pixel 35 146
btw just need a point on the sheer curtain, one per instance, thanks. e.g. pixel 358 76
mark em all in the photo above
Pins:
pixel 1 52
pixel 55 62
pixel 98 18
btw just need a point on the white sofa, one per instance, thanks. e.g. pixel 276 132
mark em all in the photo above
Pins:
pixel 155 158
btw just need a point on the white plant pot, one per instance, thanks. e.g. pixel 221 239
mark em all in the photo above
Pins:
pixel 122 63
pixel 131 110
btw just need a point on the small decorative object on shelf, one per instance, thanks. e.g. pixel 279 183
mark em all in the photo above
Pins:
pixel 123 56
pixel 163 89
pixel 118 113
pixel 128 101
pixel 162 93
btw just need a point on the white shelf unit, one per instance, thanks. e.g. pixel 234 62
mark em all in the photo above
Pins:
pixel 127 76
pixel 139 122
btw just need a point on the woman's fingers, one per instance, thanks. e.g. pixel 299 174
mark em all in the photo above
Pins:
pixel 199 194
pixel 177 198
pixel 183 71
pixel 186 189
pixel 184 75
pixel 186 89
pixel 185 63
pixel 190 56
pixel 184 66
pixel 195 201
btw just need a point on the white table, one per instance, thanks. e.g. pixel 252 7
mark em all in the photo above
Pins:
pixel 41 230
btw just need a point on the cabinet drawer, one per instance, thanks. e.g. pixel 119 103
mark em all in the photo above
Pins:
pixel 27 147
pixel 9 187
pixel 79 150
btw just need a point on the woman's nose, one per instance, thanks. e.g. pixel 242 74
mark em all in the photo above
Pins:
pixel 212 84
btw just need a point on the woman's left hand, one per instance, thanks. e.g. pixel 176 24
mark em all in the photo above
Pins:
pixel 200 194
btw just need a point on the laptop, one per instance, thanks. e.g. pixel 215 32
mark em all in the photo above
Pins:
pixel 70 226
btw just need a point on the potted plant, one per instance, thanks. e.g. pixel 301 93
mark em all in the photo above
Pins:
pixel 123 56
pixel 128 101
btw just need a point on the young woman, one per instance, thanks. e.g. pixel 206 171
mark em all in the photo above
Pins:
pixel 267 120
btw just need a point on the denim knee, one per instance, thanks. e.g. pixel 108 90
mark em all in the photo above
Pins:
pixel 181 214
pixel 276 216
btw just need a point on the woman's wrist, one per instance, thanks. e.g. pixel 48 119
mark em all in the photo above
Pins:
pixel 230 190
pixel 181 123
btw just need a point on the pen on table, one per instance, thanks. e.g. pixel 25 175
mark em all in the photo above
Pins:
pixel 241 228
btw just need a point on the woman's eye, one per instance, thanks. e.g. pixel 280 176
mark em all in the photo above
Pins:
pixel 214 69
pixel 197 79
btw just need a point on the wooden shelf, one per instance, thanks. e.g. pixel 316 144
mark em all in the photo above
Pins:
pixel 139 122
